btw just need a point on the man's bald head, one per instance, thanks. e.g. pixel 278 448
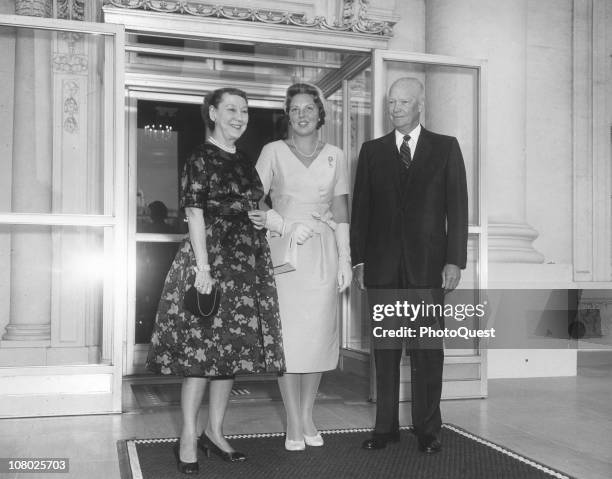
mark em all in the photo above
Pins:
pixel 405 102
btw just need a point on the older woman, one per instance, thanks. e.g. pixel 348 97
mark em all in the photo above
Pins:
pixel 308 185
pixel 219 186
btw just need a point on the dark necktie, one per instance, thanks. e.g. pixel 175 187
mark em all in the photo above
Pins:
pixel 405 155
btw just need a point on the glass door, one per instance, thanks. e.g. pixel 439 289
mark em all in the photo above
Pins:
pixel 62 217
pixel 453 106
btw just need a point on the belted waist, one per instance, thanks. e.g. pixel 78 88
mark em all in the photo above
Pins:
pixel 315 215
pixel 292 210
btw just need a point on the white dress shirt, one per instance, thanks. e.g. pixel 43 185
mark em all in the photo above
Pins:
pixel 412 143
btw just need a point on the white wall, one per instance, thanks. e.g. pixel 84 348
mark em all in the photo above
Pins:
pixel 409 32
pixel 7 7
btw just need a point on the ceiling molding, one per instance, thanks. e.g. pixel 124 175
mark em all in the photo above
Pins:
pixel 354 16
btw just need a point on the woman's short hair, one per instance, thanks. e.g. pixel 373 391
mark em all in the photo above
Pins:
pixel 308 89
pixel 213 99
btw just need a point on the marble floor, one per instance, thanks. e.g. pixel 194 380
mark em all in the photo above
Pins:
pixel 565 423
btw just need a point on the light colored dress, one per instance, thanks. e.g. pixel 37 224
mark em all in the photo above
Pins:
pixel 308 296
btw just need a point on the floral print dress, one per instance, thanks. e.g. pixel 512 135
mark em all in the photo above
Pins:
pixel 245 336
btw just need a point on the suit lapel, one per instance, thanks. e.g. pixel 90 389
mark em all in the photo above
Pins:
pixel 389 143
pixel 422 149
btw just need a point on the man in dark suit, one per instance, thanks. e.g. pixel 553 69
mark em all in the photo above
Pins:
pixel 409 232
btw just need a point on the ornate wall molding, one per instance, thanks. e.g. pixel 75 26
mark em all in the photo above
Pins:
pixel 70 91
pixel 69 57
pixel 70 9
pixel 34 8
pixel 354 14
pixel 67 63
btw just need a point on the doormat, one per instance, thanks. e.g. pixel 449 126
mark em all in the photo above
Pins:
pixel 463 456
pixel 169 394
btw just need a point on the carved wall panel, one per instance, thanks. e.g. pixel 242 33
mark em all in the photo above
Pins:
pixel 350 15
pixel 34 8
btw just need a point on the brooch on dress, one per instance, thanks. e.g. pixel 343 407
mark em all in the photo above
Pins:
pixel 330 160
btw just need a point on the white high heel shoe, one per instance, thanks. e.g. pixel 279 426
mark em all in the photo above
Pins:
pixel 315 440
pixel 292 445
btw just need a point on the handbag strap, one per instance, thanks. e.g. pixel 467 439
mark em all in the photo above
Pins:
pixel 214 302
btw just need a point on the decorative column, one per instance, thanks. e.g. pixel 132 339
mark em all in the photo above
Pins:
pixel 495 31
pixel 7 97
pixel 30 297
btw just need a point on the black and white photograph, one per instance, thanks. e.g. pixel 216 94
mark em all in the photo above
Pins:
pixel 306 239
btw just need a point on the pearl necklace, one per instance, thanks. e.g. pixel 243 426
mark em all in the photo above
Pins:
pixel 228 149
pixel 301 152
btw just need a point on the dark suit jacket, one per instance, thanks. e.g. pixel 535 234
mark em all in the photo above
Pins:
pixel 416 218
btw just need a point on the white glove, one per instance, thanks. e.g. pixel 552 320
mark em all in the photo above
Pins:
pixel 301 232
pixel 345 272
pixel 275 222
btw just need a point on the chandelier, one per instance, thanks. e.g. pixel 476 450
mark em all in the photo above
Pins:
pixel 161 129
pixel 158 131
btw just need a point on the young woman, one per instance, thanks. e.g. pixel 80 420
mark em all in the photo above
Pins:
pixel 308 185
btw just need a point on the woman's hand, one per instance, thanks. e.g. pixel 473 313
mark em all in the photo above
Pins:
pixel 301 232
pixel 203 281
pixel 258 218
pixel 345 273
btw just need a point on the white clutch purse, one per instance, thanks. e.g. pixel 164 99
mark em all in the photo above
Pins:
pixel 284 251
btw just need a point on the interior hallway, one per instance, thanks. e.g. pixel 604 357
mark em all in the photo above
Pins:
pixel 565 423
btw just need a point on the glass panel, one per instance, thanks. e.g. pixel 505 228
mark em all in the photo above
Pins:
pixel 470 275
pixel 331 131
pixel 51 294
pixel 167 134
pixel 360 104
pixel 153 260
pixel 467 295
pixel 357 327
pixel 52 112
pixel 226 62
pixel 358 330
pixel 451 108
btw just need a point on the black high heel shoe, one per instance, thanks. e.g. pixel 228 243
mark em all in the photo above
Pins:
pixel 184 467
pixel 208 446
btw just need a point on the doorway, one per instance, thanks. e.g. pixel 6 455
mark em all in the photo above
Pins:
pixel 166 80
pixel 353 79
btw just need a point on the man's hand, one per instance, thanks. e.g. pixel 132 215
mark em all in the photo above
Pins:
pixel 358 275
pixel 451 274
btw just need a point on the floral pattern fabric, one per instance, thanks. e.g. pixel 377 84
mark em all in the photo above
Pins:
pixel 245 336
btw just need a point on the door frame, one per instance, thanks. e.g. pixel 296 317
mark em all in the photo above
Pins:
pixel 453 389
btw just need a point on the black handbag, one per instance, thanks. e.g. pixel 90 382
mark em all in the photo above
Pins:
pixel 202 305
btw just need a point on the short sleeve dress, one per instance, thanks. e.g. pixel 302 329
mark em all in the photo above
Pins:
pixel 245 336
pixel 308 296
